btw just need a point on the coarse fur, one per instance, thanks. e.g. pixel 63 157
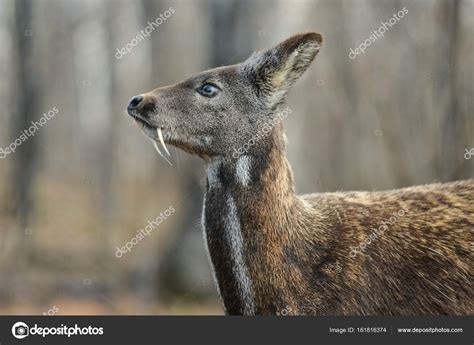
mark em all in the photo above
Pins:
pixel 398 252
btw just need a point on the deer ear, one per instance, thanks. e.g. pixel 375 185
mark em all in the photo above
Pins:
pixel 274 71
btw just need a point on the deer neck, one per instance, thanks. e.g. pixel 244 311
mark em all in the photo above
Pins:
pixel 248 211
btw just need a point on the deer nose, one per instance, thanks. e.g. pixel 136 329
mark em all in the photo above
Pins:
pixel 134 102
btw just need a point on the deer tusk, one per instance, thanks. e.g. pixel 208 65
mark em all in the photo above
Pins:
pixel 155 145
pixel 160 136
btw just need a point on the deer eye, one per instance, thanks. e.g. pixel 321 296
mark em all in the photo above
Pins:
pixel 208 90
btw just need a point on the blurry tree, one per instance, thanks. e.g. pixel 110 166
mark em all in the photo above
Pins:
pixel 107 151
pixel 26 157
pixel 223 17
pixel 451 155
pixel 348 108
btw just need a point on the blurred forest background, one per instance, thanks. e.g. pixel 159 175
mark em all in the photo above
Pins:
pixel 400 114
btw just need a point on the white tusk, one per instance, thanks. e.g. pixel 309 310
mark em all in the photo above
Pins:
pixel 155 145
pixel 160 136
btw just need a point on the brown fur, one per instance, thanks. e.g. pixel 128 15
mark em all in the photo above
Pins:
pixel 299 247
pixel 420 265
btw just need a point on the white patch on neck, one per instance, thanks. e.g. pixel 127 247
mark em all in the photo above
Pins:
pixel 213 172
pixel 206 245
pixel 242 170
pixel 239 269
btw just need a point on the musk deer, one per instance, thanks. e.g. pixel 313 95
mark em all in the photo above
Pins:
pixel 405 252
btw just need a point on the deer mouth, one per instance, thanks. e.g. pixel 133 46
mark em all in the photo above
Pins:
pixel 160 135
pixel 154 133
